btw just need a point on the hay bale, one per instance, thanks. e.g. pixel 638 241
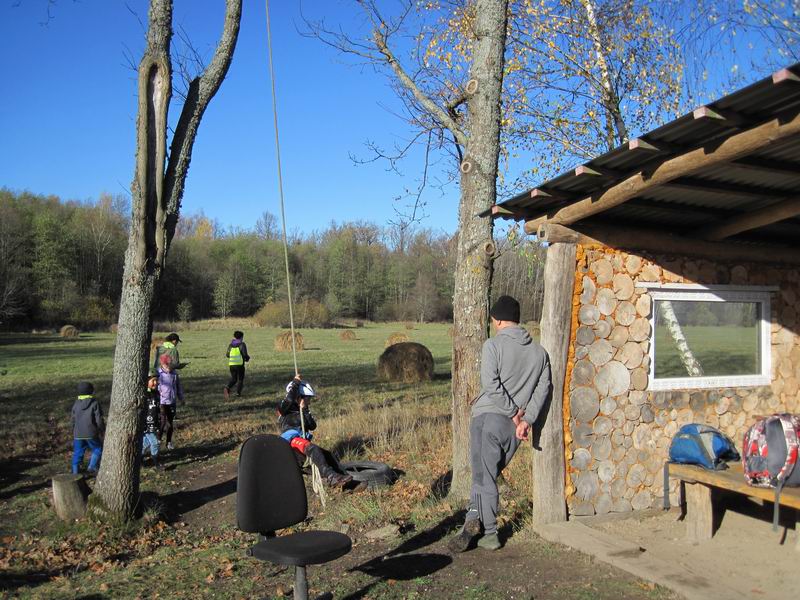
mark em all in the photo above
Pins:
pixel 396 338
pixel 451 331
pixel 347 335
pixel 283 341
pixel 113 328
pixel 409 325
pixel 359 324
pixel 68 331
pixel 408 362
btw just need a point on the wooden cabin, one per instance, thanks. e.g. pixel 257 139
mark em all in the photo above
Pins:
pixel 672 295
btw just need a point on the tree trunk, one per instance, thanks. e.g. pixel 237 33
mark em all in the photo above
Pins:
pixel 156 191
pixel 478 192
pixel 693 367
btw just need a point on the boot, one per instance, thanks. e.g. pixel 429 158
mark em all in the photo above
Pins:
pixel 464 538
pixel 490 541
pixel 338 479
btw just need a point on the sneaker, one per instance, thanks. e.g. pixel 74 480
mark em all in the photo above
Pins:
pixel 170 446
pixel 339 480
pixel 226 392
pixel 464 538
pixel 490 541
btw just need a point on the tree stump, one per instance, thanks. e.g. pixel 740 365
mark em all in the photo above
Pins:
pixel 69 496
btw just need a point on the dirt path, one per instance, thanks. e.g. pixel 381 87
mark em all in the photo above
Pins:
pixel 418 564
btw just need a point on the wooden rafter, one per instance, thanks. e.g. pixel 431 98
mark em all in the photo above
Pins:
pixel 785 209
pixel 658 242
pixel 734 147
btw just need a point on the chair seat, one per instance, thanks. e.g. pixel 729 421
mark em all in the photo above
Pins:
pixel 303 548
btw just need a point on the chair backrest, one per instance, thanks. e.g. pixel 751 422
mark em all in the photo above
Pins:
pixel 270 492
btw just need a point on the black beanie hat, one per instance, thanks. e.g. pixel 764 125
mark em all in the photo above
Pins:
pixel 505 308
pixel 85 388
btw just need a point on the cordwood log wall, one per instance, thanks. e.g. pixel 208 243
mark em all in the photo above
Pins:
pixel 617 433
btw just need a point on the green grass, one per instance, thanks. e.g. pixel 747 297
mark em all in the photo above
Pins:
pixel 723 350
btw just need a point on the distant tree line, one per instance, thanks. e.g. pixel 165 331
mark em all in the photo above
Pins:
pixel 61 262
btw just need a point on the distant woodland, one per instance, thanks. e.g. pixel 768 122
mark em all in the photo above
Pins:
pixel 61 262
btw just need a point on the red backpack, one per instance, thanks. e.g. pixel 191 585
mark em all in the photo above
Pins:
pixel 769 455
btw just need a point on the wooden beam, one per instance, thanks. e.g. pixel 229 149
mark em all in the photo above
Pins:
pixel 784 75
pixel 643 145
pixel 722 117
pixel 734 147
pixel 785 209
pixel 657 242
pixel 585 170
pixel 549 463
pixel 551 233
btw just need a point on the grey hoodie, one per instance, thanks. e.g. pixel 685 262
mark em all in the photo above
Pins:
pixel 515 373
pixel 87 418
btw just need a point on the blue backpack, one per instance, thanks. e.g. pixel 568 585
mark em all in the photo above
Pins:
pixel 703 445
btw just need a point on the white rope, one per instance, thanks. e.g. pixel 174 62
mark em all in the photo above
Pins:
pixel 316 477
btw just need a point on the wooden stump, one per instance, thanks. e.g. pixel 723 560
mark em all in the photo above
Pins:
pixel 69 496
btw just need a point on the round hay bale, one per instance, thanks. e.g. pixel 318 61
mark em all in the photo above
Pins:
pixel 396 338
pixel 359 324
pixel 409 326
pixel 68 331
pixel 283 341
pixel 451 331
pixel 347 335
pixel 155 343
pixel 408 362
pixel 113 328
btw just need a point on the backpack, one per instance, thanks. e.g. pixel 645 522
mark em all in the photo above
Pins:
pixel 697 444
pixel 770 455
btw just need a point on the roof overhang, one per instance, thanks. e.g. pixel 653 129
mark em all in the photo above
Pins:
pixel 726 172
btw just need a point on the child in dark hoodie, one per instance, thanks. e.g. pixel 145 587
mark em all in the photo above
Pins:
pixel 87 424
pixel 151 415
pixel 298 397
pixel 237 356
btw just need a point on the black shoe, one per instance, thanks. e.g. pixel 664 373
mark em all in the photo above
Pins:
pixel 338 479
pixel 462 541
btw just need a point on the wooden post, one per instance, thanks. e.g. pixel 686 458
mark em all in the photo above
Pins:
pixel 549 467
pixel 69 496
pixel 699 513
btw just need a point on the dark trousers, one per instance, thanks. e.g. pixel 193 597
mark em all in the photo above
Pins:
pixel 167 416
pixel 237 378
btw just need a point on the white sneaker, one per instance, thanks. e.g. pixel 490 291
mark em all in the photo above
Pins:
pixel 170 446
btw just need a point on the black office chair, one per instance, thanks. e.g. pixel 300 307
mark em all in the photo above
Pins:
pixel 271 495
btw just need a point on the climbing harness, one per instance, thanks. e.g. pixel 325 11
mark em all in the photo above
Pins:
pixel 316 478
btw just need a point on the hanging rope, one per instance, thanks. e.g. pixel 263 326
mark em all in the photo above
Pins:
pixel 316 477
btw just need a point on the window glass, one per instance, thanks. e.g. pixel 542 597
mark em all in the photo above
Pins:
pixel 707 338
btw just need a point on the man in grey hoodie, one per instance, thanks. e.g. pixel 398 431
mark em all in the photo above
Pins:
pixel 515 382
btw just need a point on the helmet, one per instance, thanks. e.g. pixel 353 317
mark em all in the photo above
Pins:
pixel 304 390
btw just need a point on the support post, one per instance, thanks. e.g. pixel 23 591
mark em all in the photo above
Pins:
pixel 699 513
pixel 300 583
pixel 549 467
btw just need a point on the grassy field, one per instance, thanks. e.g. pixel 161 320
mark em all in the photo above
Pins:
pixel 186 544
pixel 720 350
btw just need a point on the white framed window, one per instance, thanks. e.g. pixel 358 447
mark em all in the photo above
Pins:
pixel 709 336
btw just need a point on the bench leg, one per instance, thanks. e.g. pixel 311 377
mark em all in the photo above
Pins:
pixel 699 513
pixel 797 529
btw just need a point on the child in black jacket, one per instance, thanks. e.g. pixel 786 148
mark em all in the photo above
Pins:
pixel 152 420
pixel 298 396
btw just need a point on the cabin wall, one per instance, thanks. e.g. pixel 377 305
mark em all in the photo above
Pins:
pixel 617 433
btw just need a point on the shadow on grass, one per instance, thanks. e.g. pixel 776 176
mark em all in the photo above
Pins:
pixel 189 454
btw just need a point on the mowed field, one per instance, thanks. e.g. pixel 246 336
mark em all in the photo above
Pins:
pixel 720 350
pixel 186 544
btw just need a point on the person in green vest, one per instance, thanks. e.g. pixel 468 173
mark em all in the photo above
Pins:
pixel 237 356
pixel 170 348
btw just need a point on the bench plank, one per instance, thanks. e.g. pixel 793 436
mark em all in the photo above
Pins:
pixel 733 479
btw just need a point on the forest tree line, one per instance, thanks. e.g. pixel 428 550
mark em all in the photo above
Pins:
pixel 61 262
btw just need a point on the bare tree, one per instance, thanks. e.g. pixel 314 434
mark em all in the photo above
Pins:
pixel 433 99
pixel 156 191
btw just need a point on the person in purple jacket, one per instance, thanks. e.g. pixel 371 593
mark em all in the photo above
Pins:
pixel 170 391
pixel 237 355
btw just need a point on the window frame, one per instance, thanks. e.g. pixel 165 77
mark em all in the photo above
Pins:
pixel 721 293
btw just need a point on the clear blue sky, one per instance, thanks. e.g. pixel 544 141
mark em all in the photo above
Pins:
pixel 68 109
pixel 67 114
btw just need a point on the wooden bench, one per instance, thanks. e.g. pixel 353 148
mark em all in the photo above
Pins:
pixel 697 489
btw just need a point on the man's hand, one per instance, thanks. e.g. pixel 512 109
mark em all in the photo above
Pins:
pixel 522 430
pixel 518 417
pixel 302 403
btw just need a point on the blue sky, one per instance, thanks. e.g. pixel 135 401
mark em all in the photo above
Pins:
pixel 68 116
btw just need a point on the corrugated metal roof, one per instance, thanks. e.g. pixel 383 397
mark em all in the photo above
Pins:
pixel 761 178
